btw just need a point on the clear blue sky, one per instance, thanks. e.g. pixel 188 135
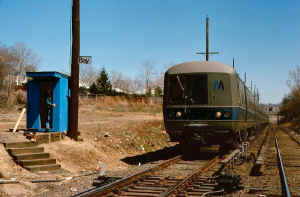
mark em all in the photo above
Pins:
pixel 263 36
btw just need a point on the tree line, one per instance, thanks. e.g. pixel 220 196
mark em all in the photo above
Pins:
pixel 116 84
pixel 147 82
pixel 290 109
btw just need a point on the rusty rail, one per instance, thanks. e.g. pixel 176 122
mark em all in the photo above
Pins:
pixel 116 186
pixel 121 187
pixel 284 181
pixel 290 135
pixel 184 182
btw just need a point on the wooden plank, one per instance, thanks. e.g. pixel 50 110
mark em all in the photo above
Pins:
pixel 19 120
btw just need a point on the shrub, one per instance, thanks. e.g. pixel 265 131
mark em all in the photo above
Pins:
pixel 20 97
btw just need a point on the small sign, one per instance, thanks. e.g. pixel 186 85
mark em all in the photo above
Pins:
pixel 85 59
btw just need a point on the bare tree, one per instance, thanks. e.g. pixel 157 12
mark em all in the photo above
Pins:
pixel 121 82
pixel 25 59
pixel 87 75
pixel 136 85
pixel 147 74
pixel 290 104
pixel 159 77
pixel 7 66
pixel 116 79
pixel 294 81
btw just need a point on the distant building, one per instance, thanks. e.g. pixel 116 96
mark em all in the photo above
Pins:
pixel 272 108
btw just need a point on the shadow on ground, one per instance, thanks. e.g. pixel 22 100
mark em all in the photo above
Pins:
pixel 203 153
pixel 162 154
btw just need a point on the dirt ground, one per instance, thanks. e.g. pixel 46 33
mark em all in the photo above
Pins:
pixel 113 132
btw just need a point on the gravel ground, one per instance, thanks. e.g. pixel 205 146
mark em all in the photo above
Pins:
pixel 290 152
pixel 177 171
pixel 244 170
pixel 82 183
pixel 270 178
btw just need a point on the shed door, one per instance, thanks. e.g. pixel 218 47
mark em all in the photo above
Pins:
pixel 33 111
pixel 46 101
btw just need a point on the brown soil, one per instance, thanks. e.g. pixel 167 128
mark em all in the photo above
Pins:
pixel 111 131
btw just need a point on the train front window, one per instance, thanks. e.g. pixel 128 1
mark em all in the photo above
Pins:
pixel 188 89
pixel 175 92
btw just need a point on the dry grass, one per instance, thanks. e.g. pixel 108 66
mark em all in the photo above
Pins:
pixel 109 143
pixel 286 124
pixel 122 104
pixel 3 99
pixel 112 128
pixel 12 102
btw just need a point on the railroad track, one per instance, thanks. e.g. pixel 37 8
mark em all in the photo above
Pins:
pixel 289 144
pixel 175 177
pixel 279 159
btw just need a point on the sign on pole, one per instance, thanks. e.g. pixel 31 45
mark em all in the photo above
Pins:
pixel 85 60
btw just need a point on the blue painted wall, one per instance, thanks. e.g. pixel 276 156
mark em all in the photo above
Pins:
pixel 33 105
pixel 60 99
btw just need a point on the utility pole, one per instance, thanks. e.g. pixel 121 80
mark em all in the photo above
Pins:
pixel 233 63
pixel 207 39
pixel 74 81
pixel 246 97
pixel 207 53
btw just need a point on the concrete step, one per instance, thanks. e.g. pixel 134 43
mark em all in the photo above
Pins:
pixel 20 144
pixel 15 151
pixel 36 162
pixel 30 156
pixel 43 167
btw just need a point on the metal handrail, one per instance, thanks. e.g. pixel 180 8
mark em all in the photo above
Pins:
pixel 284 181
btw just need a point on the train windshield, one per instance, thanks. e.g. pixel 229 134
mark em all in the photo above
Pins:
pixel 188 89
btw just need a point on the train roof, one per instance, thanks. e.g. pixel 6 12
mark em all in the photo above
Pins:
pixel 201 67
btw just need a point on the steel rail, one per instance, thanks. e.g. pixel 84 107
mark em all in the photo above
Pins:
pixel 172 191
pixel 182 183
pixel 115 186
pixel 284 181
pixel 290 135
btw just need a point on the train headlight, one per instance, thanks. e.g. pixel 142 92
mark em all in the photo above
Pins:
pixel 218 114
pixel 178 114
pixel 227 114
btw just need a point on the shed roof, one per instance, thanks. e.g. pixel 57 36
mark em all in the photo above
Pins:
pixel 46 74
pixel 201 67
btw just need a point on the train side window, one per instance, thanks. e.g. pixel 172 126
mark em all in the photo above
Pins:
pixel 242 96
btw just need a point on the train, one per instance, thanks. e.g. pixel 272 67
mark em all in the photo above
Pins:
pixel 206 103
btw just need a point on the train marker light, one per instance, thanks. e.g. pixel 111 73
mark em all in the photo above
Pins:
pixel 227 114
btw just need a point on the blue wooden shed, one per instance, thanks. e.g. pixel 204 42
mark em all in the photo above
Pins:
pixel 47 98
